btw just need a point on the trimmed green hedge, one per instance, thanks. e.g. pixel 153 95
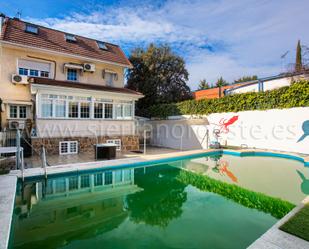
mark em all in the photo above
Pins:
pixel 274 206
pixel 296 95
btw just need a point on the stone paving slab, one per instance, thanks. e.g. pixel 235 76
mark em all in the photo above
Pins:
pixel 274 238
pixel 64 168
pixel 7 198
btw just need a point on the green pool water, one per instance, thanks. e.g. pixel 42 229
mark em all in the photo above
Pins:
pixel 146 207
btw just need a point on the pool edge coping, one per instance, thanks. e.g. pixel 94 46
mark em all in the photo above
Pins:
pixel 8 185
pixel 62 169
pixel 274 238
pixel 136 161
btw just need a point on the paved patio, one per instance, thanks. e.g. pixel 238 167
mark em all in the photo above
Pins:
pixel 275 238
pixel 53 160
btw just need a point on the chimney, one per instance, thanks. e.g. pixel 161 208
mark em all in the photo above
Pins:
pixel 2 16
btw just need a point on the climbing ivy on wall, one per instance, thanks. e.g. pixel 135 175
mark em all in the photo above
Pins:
pixel 296 95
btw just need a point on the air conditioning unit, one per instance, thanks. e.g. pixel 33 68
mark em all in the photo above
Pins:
pixel 20 79
pixel 16 125
pixel 89 67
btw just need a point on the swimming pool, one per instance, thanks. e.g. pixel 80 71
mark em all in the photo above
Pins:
pixel 149 206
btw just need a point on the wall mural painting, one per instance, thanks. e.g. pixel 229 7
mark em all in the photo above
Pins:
pixel 305 128
pixel 305 183
pixel 225 123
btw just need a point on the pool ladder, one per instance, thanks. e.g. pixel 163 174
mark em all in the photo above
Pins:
pixel 44 162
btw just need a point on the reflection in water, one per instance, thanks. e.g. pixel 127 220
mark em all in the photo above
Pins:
pixel 53 213
pixel 132 208
pixel 215 163
pixel 272 176
pixel 305 183
pixel 162 198
pixel 221 167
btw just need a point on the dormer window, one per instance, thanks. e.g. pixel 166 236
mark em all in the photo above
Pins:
pixel 70 38
pixel 30 28
pixel 101 45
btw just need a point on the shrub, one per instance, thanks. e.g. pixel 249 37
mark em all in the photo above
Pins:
pixel 296 95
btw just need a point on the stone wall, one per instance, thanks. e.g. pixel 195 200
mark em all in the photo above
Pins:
pixel 85 144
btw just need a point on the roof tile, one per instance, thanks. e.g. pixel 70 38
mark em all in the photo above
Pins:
pixel 54 40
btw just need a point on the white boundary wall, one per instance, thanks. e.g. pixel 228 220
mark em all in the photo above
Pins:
pixel 276 129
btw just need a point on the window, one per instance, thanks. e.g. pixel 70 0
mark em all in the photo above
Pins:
pixel 98 179
pixel 101 45
pixel 47 108
pixel 73 109
pixel 84 110
pixel 34 68
pixel 73 182
pixel 68 147
pixel 127 111
pixel 13 111
pixel 115 141
pixel 60 185
pixel 34 73
pixel 81 107
pixel 98 110
pixel 127 175
pixel 72 74
pixel 108 111
pixel 44 74
pixel 85 181
pixel 23 71
pixel 118 111
pixel 109 78
pixel 60 108
pixel 32 29
pixel 124 110
pixel 118 176
pixel 70 38
pixel 18 111
pixel 108 178
pixel 22 111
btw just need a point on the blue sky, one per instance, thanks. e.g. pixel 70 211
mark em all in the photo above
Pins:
pixel 228 38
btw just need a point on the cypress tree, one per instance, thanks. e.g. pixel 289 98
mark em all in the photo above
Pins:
pixel 298 64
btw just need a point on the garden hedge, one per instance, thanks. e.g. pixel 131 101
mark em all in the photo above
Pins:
pixel 274 206
pixel 296 95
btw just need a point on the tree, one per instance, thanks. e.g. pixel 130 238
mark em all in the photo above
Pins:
pixel 298 64
pixel 203 85
pixel 160 75
pixel 221 82
pixel 246 78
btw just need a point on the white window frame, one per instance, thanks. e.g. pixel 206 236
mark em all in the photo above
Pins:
pixel 28 68
pixel 69 151
pixel 116 142
pixel 54 98
pixel 18 111
pixel 113 78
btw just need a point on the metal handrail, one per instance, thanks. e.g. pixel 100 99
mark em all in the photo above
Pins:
pixel 44 161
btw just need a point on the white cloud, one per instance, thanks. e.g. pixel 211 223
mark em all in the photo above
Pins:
pixel 246 36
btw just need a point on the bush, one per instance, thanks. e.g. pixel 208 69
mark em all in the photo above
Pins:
pixel 296 95
pixel 274 206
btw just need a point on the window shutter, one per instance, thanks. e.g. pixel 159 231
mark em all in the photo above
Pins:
pixel 36 65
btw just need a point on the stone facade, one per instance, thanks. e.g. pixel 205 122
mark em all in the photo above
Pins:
pixel 85 144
